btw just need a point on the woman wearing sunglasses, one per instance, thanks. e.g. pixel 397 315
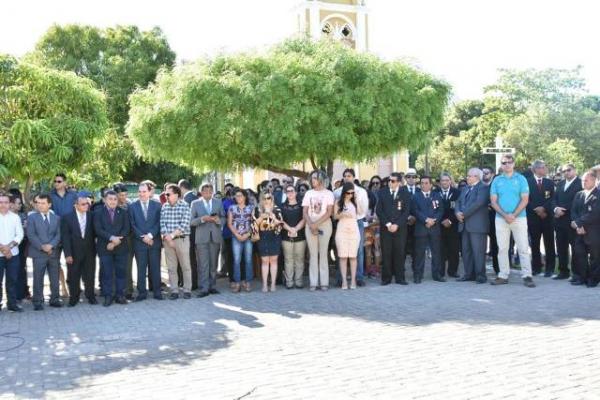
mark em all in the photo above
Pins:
pixel 268 223
pixel 347 236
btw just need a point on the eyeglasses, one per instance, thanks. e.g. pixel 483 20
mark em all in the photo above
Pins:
pixel 58 181
pixel 507 162
pixel 411 176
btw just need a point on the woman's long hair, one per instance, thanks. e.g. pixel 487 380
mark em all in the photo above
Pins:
pixel 341 202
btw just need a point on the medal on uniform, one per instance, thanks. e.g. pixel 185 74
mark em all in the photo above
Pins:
pixel 399 205
pixel 547 194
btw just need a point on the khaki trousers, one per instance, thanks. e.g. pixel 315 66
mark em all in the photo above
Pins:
pixel 179 254
pixel 293 255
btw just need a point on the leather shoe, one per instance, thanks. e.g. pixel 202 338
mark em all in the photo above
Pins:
pixel 213 291
pixel 439 279
pixel 453 275
pixel 159 297
pixel 73 302
pixel 56 304
pixel 481 280
pixel 385 283
pixel 577 283
pixel 121 300
pixel 140 298
pixel 15 308
pixel 464 279
pixel 92 300
pixel 361 283
pixel 592 283
pixel 129 297
pixel 202 294
pixel 418 280
pixel 401 283
pixel 38 307
pixel 560 277
pixel 173 296
pixel 107 301
pixel 548 274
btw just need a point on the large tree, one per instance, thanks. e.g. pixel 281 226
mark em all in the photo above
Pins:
pixel 49 121
pixel 299 101
pixel 119 60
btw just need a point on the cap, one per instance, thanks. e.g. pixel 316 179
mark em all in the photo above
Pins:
pixel 411 171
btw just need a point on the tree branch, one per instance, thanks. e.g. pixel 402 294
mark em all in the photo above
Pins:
pixel 313 162
pixel 288 171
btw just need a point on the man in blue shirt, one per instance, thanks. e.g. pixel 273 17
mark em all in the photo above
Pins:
pixel 63 200
pixel 509 195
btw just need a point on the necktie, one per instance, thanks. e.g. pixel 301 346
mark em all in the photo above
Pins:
pixel 82 225
pixel 468 192
pixel 412 190
pixel 46 220
pixel 111 214
pixel 145 210
pixel 393 194
pixel 539 184
pixel 426 195
pixel 208 207
pixel 445 195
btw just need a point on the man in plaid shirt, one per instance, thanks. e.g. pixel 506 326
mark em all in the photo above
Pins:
pixel 175 230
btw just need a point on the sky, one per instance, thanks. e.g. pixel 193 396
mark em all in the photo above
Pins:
pixel 464 42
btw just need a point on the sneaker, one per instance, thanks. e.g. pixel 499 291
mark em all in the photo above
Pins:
pixel 499 281
pixel 528 282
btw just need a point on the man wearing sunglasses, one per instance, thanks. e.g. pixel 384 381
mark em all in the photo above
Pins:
pixel 561 208
pixel 509 195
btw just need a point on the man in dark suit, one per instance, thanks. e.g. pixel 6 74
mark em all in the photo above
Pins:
pixel 472 214
pixel 144 217
pixel 449 227
pixel 189 196
pixel 561 207
pixel 79 245
pixel 393 208
pixel 586 222
pixel 111 224
pixel 208 218
pixel 428 209
pixel 488 177
pixel 539 218
pixel 43 232
pixel 412 187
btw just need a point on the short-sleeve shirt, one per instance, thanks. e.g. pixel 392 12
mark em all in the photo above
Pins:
pixel 509 191
pixel 241 218
pixel 317 202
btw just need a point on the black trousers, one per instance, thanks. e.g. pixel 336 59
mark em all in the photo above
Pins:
pixel 494 245
pixel 450 249
pixel 82 269
pixel 565 240
pixel 586 259
pixel 393 254
pixel 432 238
pixel 538 229
pixel 410 245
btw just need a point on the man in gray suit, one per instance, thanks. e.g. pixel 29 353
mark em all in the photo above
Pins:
pixel 474 223
pixel 208 218
pixel 43 232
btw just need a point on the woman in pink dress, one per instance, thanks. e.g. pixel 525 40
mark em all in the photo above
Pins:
pixel 347 236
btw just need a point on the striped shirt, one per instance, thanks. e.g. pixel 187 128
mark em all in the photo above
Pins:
pixel 175 217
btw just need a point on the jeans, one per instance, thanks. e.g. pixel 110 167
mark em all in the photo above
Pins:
pixel 12 270
pixel 519 231
pixel 242 249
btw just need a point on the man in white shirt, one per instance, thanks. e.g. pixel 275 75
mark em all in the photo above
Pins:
pixel 11 234
pixel 362 207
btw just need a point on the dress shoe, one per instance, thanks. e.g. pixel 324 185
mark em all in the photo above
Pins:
pixel 141 298
pixel 528 282
pixel 129 297
pixel 159 297
pixel 202 294
pixel 418 280
pixel 73 302
pixel 548 274
pixel 464 279
pixel 592 283
pixel 15 308
pixel 439 279
pixel 38 307
pixel 560 277
pixel 401 283
pixel 107 301
pixel 213 291
pixel 56 304
pixel 385 283
pixel 499 281
pixel 92 300
pixel 187 295
pixel 453 275
pixel 289 287
pixel 121 300
pixel 173 296
pixel 577 283
pixel 361 283
pixel 481 280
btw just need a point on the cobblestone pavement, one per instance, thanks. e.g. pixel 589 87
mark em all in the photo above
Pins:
pixel 435 340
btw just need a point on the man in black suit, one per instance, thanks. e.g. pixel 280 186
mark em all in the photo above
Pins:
pixel 561 207
pixel 111 224
pixel 189 196
pixel 488 177
pixel 411 185
pixel 539 218
pixel 393 209
pixel 586 222
pixel 449 227
pixel 144 217
pixel 428 209
pixel 79 245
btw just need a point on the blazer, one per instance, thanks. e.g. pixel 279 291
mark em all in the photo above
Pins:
pixel 141 226
pixel 475 209
pixel 540 198
pixel 207 231
pixel 39 234
pixel 190 197
pixel 450 205
pixel 74 245
pixel 393 210
pixel 565 199
pixel 423 208
pixel 105 229
pixel 589 218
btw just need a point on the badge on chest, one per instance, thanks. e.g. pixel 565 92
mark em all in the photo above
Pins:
pixel 435 204
pixel 547 194
pixel 399 205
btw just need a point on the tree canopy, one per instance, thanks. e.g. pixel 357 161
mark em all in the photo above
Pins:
pixel 298 101
pixel 49 121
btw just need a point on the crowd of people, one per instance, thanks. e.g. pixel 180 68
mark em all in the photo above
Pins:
pixel 361 228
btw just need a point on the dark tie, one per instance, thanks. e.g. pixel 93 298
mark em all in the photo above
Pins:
pixel 445 195
pixel 469 192
pixel 426 195
pixel 46 221
pixel 539 184
pixel 111 214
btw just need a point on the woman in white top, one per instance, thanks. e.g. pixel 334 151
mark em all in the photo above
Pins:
pixel 317 207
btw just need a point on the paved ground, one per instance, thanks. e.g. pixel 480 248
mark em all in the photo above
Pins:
pixel 434 340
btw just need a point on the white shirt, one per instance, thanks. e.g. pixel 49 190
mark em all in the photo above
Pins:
pixel 362 200
pixel 11 230
pixel 412 189
pixel 208 205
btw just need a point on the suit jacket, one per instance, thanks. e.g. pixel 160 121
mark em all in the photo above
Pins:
pixel 141 226
pixel 475 209
pixel 589 218
pixel 450 205
pixel 539 198
pixel 39 233
pixel 74 245
pixel 393 210
pixel 105 229
pixel 423 208
pixel 207 231
pixel 190 197
pixel 565 199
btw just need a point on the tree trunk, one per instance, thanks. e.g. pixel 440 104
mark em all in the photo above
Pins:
pixel 27 190
pixel 329 169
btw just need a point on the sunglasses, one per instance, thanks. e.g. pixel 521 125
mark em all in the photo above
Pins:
pixel 268 197
pixel 393 180
pixel 58 181
pixel 376 183
pixel 507 162
pixel 411 176
pixel 350 193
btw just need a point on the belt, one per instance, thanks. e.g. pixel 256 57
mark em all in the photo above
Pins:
pixel 181 237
